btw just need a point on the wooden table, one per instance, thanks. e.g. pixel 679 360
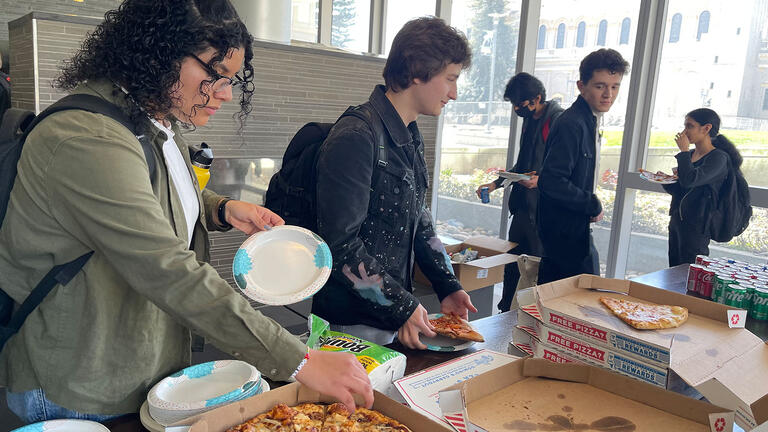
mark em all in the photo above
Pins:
pixel 497 330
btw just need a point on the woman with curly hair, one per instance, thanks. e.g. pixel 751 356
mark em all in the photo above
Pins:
pixel 699 171
pixel 93 348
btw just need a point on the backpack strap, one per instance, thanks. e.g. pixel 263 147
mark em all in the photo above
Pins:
pixel 97 105
pixel 369 116
pixel 60 274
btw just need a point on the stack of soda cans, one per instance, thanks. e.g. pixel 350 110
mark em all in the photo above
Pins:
pixel 731 282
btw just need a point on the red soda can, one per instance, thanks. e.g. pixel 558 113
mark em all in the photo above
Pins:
pixel 694 274
pixel 707 279
pixel 707 261
pixel 700 258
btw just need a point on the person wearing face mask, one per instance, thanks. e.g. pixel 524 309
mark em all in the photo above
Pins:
pixel 93 348
pixel 567 200
pixel 529 101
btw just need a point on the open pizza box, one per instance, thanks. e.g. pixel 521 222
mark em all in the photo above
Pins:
pixel 220 419
pixel 729 366
pixel 481 272
pixel 536 394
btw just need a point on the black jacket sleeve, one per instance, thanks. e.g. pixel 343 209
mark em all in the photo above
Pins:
pixel 344 175
pixel 713 167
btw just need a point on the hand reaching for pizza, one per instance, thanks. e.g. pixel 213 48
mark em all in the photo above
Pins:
pixel 339 375
pixel 458 303
pixel 408 334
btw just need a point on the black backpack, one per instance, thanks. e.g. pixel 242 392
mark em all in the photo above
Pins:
pixel 291 191
pixel 14 128
pixel 731 210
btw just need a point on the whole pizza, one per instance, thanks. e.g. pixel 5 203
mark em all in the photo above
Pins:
pixel 312 417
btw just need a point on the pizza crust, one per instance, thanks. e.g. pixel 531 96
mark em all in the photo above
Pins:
pixel 644 316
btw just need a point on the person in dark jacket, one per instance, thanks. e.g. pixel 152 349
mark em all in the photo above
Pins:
pixel 529 101
pixel 699 171
pixel 375 218
pixel 567 202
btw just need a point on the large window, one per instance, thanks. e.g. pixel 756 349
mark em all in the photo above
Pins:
pixel 350 24
pixel 304 20
pixel 688 79
pixel 401 11
pixel 559 71
pixel 475 129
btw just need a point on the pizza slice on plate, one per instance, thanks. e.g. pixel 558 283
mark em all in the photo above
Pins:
pixel 645 316
pixel 454 327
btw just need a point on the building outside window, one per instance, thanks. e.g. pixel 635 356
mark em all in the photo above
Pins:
pixel 559 71
pixel 542 42
pixel 475 130
pixel 686 82
pixel 304 20
pixel 350 24
pixel 401 11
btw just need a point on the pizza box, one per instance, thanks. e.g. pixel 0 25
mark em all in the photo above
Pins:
pixel 527 344
pixel 550 340
pixel 481 272
pixel 220 419
pixel 536 394
pixel 729 366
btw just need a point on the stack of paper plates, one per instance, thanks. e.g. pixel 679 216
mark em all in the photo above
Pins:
pixel 64 426
pixel 203 387
pixel 282 266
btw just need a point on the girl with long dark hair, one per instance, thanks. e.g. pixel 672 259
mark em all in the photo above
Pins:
pixel 699 171
pixel 93 348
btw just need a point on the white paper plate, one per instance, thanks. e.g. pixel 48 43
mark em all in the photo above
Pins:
pixel 444 343
pixel 64 426
pixel 204 385
pixel 514 177
pixel 654 178
pixel 281 266
pixel 153 426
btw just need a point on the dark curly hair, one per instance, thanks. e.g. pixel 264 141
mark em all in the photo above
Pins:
pixel 141 45
pixel 604 58
pixel 422 49
pixel 524 87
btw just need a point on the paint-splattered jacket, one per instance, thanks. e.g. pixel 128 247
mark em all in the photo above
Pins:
pixel 376 224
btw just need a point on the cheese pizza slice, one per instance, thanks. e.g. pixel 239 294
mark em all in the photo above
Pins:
pixel 644 316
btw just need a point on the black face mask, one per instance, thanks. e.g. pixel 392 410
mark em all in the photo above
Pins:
pixel 524 112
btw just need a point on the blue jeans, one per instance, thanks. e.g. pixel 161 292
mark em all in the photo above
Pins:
pixel 32 407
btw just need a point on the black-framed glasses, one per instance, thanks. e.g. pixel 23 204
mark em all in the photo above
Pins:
pixel 221 82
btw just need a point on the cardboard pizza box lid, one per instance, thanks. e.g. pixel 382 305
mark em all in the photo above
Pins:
pixel 536 393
